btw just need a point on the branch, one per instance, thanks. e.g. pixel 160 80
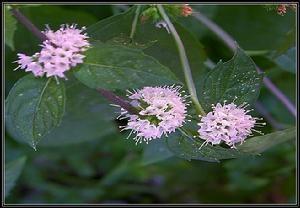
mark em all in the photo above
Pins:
pixel 231 43
pixel 117 100
pixel 135 20
pixel 105 93
pixel 26 22
pixel 184 61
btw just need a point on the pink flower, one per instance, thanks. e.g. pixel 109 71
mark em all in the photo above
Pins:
pixel 59 53
pixel 161 111
pixel 227 123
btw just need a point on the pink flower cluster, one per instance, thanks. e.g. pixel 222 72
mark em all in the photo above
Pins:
pixel 228 123
pixel 186 10
pixel 161 111
pixel 59 53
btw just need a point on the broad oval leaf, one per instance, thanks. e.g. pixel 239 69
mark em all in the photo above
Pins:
pixel 13 170
pixel 87 117
pixel 236 80
pixel 117 67
pixel 34 107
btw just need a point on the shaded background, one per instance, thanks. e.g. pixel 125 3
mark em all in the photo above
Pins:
pixel 110 169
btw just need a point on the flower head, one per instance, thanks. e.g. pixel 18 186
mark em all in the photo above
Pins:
pixel 161 110
pixel 186 10
pixel 281 9
pixel 59 53
pixel 228 123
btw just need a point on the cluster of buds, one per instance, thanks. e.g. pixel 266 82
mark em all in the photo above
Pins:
pixel 186 10
pixel 282 8
pixel 60 52
pixel 173 10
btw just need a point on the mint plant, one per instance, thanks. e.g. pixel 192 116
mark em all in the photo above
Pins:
pixel 173 101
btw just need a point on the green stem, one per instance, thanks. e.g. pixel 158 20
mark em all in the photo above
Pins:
pixel 184 61
pixel 135 20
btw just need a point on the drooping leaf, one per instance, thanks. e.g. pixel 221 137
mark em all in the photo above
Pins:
pixel 13 170
pixel 10 28
pixel 157 150
pixel 259 144
pixel 117 67
pixel 34 107
pixel 190 148
pixel 88 116
pixel 236 80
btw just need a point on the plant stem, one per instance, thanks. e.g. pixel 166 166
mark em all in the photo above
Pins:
pixel 26 22
pixel 105 93
pixel 231 43
pixel 117 100
pixel 135 21
pixel 184 61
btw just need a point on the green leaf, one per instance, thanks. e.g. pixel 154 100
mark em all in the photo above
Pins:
pixel 113 26
pixel 188 148
pixel 117 67
pixel 13 170
pixel 157 150
pixel 165 51
pixel 55 15
pixel 10 28
pixel 236 78
pixel 88 116
pixel 269 29
pixel 34 107
pixel 259 144
pixel 154 42
pixel 124 40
